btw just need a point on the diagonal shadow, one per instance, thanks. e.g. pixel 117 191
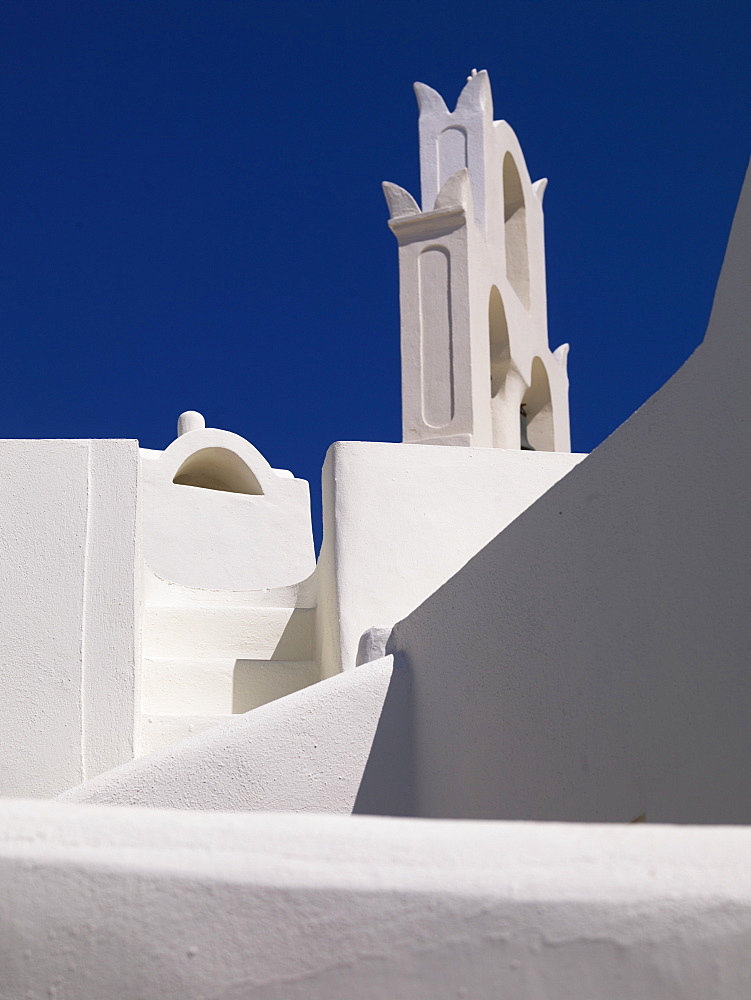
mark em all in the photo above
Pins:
pixel 387 787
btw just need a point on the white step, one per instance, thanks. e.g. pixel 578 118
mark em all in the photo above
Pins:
pixel 249 633
pixel 219 686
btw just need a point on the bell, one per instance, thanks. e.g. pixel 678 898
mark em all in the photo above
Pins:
pixel 526 446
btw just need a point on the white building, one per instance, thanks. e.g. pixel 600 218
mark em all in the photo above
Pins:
pixel 496 631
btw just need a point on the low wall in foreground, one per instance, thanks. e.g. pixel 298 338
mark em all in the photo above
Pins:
pixel 113 902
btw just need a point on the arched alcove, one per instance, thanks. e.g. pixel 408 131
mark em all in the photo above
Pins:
pixel 500 348
pixel 539 409
pixel 500 361
pixel 452 153
pixel 218 469
pixel 515 229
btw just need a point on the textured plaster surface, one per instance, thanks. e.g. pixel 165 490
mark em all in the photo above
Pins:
pixel 305 752
pixel 592 662
pixel 248 529
pixel 69 631
pixel 117 902
pixel 229 621
pixel 400 519
pixel 209 654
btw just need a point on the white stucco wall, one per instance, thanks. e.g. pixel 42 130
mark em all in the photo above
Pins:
pixel 69 631
pixel 400 519
pixel 592 662
pixel 228 550
pixel 305 752
pixel 112 902
pixel 248 529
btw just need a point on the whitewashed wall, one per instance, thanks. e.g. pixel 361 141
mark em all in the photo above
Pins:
pixel 592 662
pixel 302 753
pixel 400 519
pixel 69 631
pixel 114 902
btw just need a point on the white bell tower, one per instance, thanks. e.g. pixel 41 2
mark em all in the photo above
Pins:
pixel 476 366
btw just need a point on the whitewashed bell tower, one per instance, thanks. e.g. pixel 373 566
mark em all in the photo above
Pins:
pixel 476 366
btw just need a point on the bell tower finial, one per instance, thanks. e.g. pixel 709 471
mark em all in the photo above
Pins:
pixel 476 365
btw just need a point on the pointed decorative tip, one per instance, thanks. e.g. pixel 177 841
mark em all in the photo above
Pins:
pixel 456 191
pixel 429 101
pixel 400 202
pixel 561 355
pixel 539 188
pixel 476 95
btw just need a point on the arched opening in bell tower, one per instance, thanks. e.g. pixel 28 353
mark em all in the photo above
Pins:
pixel 538 409
pixel 505 430
pixel 515 230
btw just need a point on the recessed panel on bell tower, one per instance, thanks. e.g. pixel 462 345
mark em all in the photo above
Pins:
pixel 476 365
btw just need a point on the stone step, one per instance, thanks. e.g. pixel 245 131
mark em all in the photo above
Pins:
pixel 239 633
pixel 219 686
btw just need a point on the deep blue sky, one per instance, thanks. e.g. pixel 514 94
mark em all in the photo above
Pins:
pixel 192 215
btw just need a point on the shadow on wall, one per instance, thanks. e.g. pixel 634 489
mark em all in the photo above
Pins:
pixel 291 666
pixel 591 663
pixel 257 682
pixel 387 787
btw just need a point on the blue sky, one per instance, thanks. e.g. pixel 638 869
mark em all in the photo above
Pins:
pixel 192 215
